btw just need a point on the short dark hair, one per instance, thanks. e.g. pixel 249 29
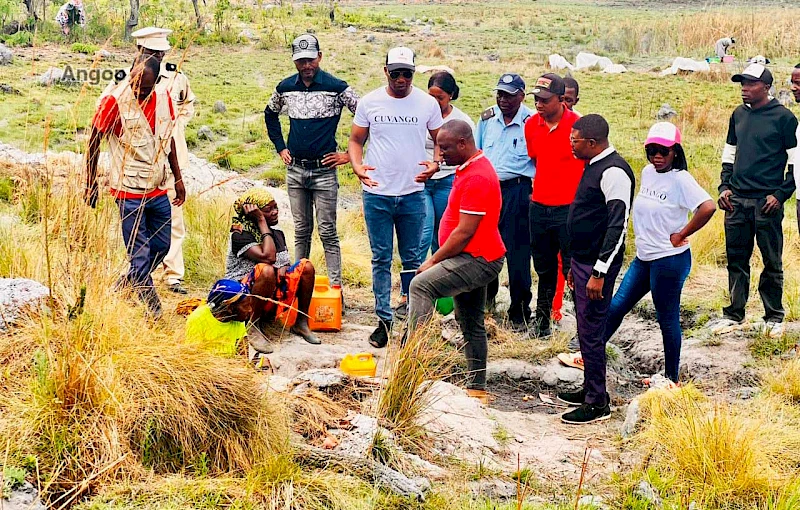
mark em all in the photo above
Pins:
pixel 797 66
pixel 459 128
pixel 592 126
pixel 149 63
pixel 446 82
pixel 572 83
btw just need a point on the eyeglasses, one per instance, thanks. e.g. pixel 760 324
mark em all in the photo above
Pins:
pixel 405 73
pixel 652 150
pixel 573 140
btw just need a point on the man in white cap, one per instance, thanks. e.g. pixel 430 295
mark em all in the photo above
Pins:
pixel 396 119
pixel 754 187
pixel 152 43
pixel 314 101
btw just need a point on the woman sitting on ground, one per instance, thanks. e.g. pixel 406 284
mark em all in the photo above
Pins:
pixel 668 193
pixel 260 260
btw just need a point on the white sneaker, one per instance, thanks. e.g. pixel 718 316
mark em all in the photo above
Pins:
pixel 723 325
pixel 770 329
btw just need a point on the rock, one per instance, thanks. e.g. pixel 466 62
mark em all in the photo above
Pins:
pixel 747 392
pixel 23 498
pixel 358 440
pixel 427 31
pixel 592 502
pixel 646 491
pixel 52 75
pixel 632 418
pixel 430 470
pixel 564 378
pixel 205 133
pixel 370 38
pixel 492 57
pixel 18 295
pixel 493 489
pixel 104 54
pixel 6 55
pixel 219 107
pixel 666 113
pixel 514 369
pixel 322 378
pixel 8 89
pixel 249 35
pixel 785 98
pixel 351 29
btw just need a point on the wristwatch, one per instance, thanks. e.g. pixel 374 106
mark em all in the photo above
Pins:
pixel 597 274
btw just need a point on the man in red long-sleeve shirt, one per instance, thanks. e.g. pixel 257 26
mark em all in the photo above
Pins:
pixel 558 173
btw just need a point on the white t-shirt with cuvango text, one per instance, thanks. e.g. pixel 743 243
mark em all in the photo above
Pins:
pixel 396 143
pixel 662 208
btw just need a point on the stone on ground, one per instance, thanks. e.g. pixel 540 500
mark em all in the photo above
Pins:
pixel 18 295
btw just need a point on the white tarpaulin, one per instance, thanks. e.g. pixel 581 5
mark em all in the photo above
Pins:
pixel 686 64
pixel 585 61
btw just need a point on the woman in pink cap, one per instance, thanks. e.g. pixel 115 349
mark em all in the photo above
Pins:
pixel 667 195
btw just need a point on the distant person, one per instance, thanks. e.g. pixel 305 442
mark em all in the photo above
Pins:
pixel 558 172
pixel 571 93
pixel 667 195
pixel 501 135
pixel 259 258
pixel 754 187
pixel 443 87
pixel 138 122
pixel 722 46
pixel 471 249
pixel 795 86
pixel 396 119
pixel 598 223
pixel 71 14
pixel 313 99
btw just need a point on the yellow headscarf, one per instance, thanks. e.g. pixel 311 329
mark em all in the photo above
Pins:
pixel 257 196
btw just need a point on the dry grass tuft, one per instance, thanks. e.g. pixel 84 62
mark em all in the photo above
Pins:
pixel 313 413
pixel 722 455
pixel 784 379
pixel 425 358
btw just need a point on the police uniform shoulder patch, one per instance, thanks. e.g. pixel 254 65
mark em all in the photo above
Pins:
pixel 171 67
pixel 119 75
pixel 488 113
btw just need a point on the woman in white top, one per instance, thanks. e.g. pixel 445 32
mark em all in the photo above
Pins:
pixel 667 195
pixel 443 87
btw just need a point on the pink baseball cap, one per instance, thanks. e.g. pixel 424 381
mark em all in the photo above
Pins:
pixel 663 133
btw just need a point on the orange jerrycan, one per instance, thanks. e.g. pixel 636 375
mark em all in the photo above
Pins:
pixel 362 364
pixel 325 311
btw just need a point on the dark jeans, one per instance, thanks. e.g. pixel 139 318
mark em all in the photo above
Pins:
pixel 463 277
pixel 592 316
pixel 318 189
pixel 146 229
pixel 663 277
pixel 744 223
pixel 516 236
pixel 549 236
pixel 437 192
pixel 384 216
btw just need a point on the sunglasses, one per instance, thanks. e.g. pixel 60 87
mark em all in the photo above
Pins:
pixel 405 73
pixel 652 150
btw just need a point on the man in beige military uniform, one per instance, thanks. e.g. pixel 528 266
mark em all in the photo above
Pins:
pixel 152 43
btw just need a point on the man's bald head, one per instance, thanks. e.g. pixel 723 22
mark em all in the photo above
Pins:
pixel 456 142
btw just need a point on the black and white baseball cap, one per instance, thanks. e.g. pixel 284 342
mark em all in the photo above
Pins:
pixel 754 72
pixel 305 46
pixel 400 58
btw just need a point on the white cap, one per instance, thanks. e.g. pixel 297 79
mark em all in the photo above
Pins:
pixel 400 58
pixel 305 46
pixel 152 38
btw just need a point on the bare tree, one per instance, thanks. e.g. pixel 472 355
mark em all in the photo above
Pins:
pixel 30 6
pixel 133 19
pixel 197 13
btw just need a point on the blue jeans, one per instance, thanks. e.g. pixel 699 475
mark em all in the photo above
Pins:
pixel 436 193
pixel 663 277
pixel 146 227
pixel 385 215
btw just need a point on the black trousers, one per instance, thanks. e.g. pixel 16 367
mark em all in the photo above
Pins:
pixel 742 225
pixel 549 236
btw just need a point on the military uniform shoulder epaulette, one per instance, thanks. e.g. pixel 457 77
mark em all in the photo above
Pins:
pixel 488 113
pixel 171 67
pixel 527 116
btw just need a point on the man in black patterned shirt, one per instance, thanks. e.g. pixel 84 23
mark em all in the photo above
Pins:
pixel 314 100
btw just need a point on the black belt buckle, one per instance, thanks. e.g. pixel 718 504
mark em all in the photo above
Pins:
pixel 309 164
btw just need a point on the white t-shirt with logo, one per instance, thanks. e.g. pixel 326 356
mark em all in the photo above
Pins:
pixel 446 171
pixel 662 208
pixel 396 144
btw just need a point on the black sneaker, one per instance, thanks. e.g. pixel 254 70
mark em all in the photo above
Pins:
pixel 401 311
pixel 541 328
pixel 380 337
pixel 587 413
pixel 574 399
pixel 177 288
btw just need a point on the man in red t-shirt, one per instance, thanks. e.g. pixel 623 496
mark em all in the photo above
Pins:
pixel 471 251
pixel 558 173
pixel 138 125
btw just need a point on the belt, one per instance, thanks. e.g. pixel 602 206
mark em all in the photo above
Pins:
pixel 309 164
pixel 514 181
